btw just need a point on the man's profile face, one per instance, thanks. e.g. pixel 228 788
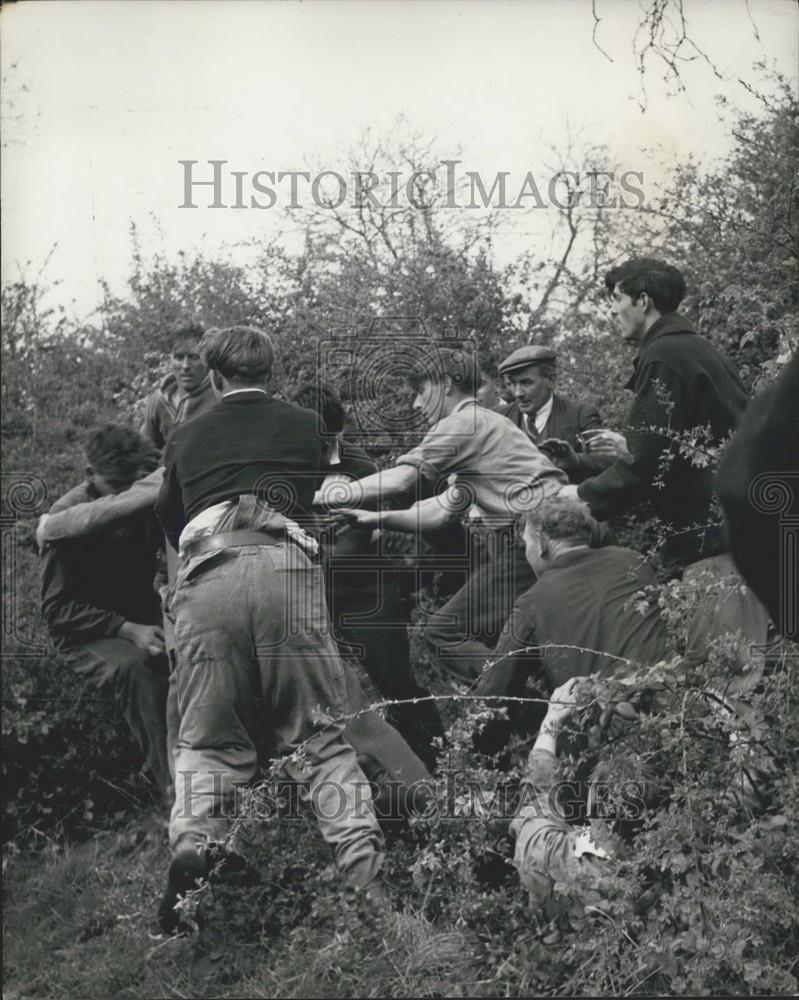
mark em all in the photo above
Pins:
pixel 187 364
pixel 630 315
pixel 531 388
pixel 429 400
pixel 533 545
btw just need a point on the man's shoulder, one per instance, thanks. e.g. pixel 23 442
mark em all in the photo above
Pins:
pixel 82 493
pixel 680 347
pixel 577 409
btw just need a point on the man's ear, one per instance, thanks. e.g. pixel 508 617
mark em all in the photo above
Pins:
pixel 646 302
pixel 89 471
pixel 543 541
pixel 216 382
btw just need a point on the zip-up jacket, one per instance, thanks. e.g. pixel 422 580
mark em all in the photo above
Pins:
pixel 167 407
pixel 681 382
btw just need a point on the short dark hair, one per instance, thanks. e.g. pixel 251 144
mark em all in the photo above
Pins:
pixel 458 363
pixel 662 282
pixel 119 451
pixel 185 330
pixel 562 519
pixel 320 398
pixel 489 367
pixel 238 353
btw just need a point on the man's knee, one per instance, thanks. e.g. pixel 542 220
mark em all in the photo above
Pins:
pixel 442 629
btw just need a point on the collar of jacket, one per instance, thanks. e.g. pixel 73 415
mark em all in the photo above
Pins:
pixel 672 322
pixel 244 395
pixel 571 556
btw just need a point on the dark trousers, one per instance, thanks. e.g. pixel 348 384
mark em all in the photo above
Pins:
pixel 370 624
pixel 458 633
pixel 139 683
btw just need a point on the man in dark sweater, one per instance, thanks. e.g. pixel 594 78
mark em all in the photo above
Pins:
pixel 250 619
pixel 98 598
pixel 687 400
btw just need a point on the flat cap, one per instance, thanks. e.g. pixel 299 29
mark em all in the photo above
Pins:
pixel 533 354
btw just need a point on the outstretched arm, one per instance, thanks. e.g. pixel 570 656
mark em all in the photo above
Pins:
pixel 95 515
pixel 549 852
pixel 426 515
pixel 379 485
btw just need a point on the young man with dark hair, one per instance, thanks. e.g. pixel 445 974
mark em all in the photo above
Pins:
pixel 489 472
pixel 250 616
pixel 553 422
pixel 185 392
pixel 680 383
pixel 98 598
pixel 366 606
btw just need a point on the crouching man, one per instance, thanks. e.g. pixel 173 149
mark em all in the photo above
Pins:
pixel 553 854
pixel 251 619
pixel 98 598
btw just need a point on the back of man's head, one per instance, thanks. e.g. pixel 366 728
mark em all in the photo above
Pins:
pixel 240 354
pixel 321 398
pixel 662 282
pixel 459 365
pixel 562 520
pixel 120 455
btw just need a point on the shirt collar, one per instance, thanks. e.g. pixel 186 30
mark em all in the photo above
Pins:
pixel 233 392
pixel 541 416
pixel 469 401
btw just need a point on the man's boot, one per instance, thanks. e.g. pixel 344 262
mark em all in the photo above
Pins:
pixel 187 870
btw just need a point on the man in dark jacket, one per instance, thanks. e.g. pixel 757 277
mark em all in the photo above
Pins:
pixel 759 488
pixel 581 616
pixel 687 400
pixel 369 615
pixel 98 599
pixel 552 422
pixel 186 392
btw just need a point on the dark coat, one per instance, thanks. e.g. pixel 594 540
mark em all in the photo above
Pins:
pixel 758 484
pixel 567 419
pixel 91 585
pixel 681 382
pixel 584 599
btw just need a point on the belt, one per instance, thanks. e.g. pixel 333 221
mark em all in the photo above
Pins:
pixel 233 540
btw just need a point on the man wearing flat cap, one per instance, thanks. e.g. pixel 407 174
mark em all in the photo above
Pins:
pixel 552 422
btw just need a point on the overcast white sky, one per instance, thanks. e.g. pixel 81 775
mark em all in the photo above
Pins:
pixel 101 99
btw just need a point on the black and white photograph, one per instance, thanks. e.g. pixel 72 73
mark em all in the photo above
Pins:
pixel 400 498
